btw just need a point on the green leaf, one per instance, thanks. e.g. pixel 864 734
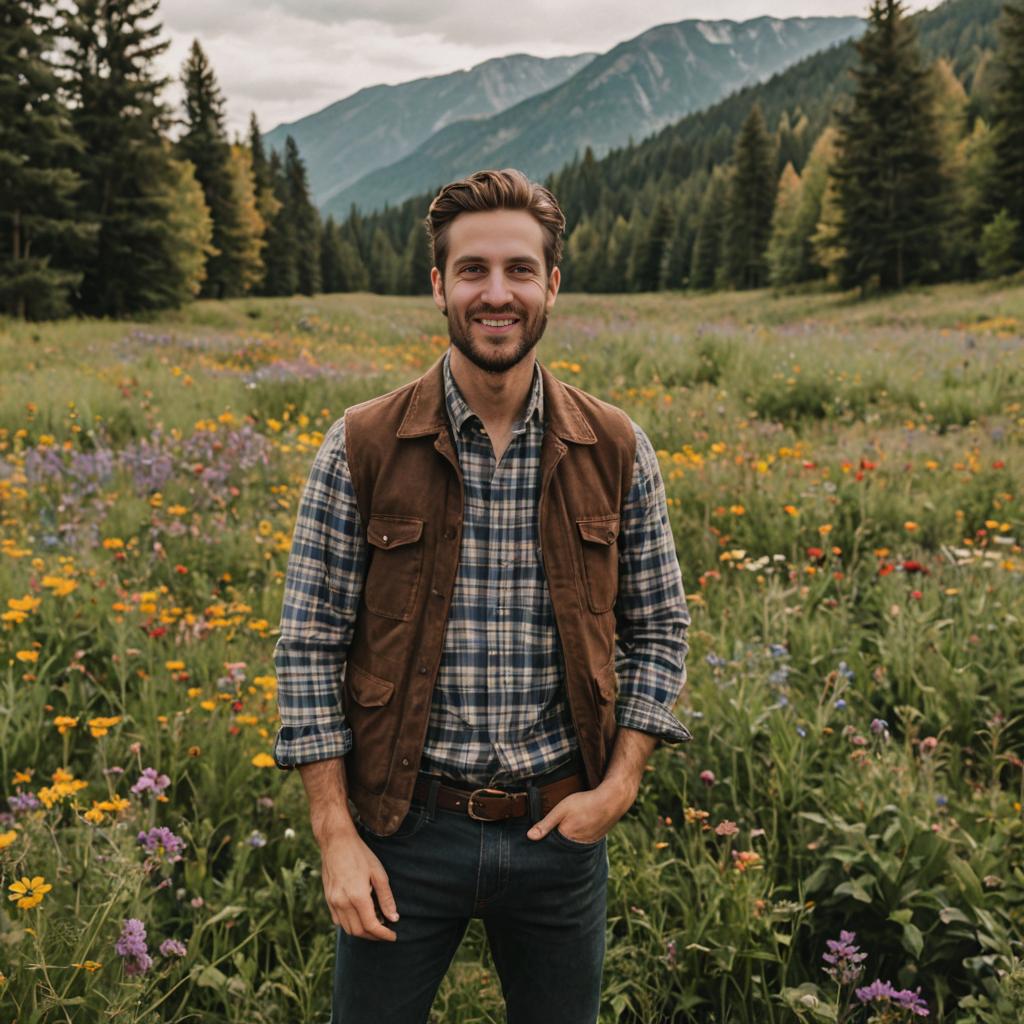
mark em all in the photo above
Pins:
pixel 854 889
pixel 913 940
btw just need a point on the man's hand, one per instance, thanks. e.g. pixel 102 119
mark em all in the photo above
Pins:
pixel 353 877
pixel 584 817
pixel 588 816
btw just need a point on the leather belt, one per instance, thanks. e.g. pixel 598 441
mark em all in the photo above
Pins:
pixel 487 804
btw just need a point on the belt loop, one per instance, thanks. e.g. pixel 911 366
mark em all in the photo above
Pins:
pixel 435 785
pixel 536 810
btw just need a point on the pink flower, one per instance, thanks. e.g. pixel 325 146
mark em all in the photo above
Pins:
pixel 707 777
pixel 726 828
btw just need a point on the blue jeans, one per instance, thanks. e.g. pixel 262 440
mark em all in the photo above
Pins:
pixel 543 904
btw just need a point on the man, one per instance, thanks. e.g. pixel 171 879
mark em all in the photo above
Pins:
pixel 467 548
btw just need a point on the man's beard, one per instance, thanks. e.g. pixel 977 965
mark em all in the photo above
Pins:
pixel 530 332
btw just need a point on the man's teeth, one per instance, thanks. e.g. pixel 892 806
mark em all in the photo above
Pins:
pixel 497 323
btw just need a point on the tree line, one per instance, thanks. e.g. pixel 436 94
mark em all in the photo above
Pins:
pixel 890 169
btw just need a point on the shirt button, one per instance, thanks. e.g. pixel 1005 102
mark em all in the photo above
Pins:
pixel 405 762
pixel 385 538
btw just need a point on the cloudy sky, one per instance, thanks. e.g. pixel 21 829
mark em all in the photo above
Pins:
pixel 288 58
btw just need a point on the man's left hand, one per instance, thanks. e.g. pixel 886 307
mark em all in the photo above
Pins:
pixel 585 817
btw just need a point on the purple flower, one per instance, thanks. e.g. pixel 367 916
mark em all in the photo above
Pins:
pixel 150 780
pixel 162 841
pixel 879 726
pixel 840 704
pixel 21 803
pixel 256 839
pixel 883 990
pixel 845 958
pixel 132 946
pixel 172 947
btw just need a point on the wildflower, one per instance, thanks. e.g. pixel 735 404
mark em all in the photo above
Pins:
pixel 911 566
pixel 910 526
pixel 778 650
pixel 693 815
pixel 715 660
pixel 6 838
pixel 707 777
pixel 670 952
pixel 162 841
pixel 101 726
pixel 256 839
pixel 845 671
pixel 263 760
pixel 744 859
pixel 197 902
pixel 21 803
pixel 88 965
pixel 801 731
pixel 27 655
pixel 172 947
pixel 928 744
pixel 29 892
pixel 65 722
pixel 726 828
pixel 845 959
pixel 879 726
pixel 152 781
pixel 131 945
pixel 941 800
pixel 840 704
pixel 882 990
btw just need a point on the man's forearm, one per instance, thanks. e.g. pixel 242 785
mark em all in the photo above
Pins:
pixel 626 766
pixel 327 793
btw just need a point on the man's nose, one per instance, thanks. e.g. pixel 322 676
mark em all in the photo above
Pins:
pixel 496 290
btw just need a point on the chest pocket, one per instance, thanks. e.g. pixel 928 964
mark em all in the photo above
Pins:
pixel 396 565
pixel 599 540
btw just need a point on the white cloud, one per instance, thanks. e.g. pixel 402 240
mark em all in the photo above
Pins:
pixel 285 59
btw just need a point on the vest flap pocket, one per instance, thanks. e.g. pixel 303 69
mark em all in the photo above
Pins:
pixel 606 682
pixel 393 531
pixel 366 689
pixel 599 529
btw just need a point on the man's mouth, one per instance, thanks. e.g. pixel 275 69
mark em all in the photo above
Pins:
pixel 497 323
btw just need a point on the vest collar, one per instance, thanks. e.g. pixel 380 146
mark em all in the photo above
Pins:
pixel 427 415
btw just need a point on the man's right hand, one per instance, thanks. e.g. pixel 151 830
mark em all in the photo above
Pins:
pixel 353 876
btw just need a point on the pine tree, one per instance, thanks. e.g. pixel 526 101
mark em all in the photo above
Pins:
pixel 129 180
pixel 997 249
pixel 707 247
pixel 785 248
pixel 281 257
pixel 1005 190
pixel 654 247
pixel 330 257
pixel 416 262
pixel 36 179
pixel 892 197
pixel 384 264
pixel 300 211
pixel 748 219
pixel 235 264
pixel 193 228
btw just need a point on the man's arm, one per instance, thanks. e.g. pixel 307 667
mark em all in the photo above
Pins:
pixel 323 584
pixel 652 621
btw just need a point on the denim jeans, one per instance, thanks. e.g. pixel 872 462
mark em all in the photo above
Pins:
pixel 543 904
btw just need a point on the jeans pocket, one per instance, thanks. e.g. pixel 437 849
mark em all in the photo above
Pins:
pixel 573 844
pixel 411 824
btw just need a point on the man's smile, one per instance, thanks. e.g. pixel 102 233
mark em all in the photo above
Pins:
pixel 497 325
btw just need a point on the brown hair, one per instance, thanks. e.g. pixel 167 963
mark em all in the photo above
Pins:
pixel 495 190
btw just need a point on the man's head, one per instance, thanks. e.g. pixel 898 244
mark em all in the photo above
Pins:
pixel 496 239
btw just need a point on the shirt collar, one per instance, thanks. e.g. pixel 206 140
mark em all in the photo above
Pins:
pixel 459 411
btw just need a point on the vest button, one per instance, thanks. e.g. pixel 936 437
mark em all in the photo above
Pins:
pixel 449 535
pixel 385 538
pixel 423 670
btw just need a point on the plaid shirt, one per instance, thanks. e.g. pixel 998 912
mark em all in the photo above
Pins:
pixel 499 710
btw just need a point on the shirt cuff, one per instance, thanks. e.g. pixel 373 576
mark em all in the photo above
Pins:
pixel 649 716
pixel 303 744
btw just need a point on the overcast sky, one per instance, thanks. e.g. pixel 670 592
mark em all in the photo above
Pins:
pixel 288 58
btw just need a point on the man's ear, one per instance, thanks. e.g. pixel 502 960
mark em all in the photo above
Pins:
pixel 554 283
pixel 437 290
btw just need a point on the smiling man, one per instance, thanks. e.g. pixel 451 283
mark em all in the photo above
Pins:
pixel 482 639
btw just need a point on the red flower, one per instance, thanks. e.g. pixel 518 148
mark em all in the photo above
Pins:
pixel 885 568
pixel 912 566
pixel 867 464
pixel 815 553
pixel 999 464
pixel 157 631
pixel 181 570
pixel 916 595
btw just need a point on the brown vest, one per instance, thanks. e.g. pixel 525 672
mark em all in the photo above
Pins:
pixel 408 486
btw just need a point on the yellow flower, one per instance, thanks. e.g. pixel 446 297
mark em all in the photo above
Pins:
pixel 692 815
pixel 910 526
pixel 25 776
pixel 94 815
pixel 737 510
pixel 208 705
pixel 24 604
pixel 88 965
pixel 791 510
pixel 29 892
pixel 100 726
pixel 265 528
pixel 113 543
pixel 177 510
pixel 65 722
pixel 6 838
pixel 174 666
pixel 262 760
pixel 27 655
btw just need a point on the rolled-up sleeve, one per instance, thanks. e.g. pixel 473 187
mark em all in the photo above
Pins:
pixel 323 584
pixel 651 614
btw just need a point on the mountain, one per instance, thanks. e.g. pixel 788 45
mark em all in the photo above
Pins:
pixel 379 125
pixel 630 92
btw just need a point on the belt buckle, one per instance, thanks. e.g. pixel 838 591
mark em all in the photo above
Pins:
pixel 490 792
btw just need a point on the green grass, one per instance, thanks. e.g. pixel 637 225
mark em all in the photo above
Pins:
pixel 844 487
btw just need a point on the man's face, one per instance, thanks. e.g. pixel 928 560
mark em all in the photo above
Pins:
pixel 495 287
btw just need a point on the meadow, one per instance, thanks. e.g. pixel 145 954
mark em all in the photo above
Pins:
pixel 844 480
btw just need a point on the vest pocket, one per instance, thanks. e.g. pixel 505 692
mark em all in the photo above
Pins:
pixel 373 726
pixel 600 560
pixel 396 564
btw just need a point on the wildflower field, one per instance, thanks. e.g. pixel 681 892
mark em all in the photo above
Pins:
pixel 842 841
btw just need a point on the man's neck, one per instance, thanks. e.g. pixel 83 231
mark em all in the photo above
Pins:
pixel 497 398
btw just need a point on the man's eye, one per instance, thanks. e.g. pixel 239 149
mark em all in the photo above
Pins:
pixel 472 268
pixel 524 267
